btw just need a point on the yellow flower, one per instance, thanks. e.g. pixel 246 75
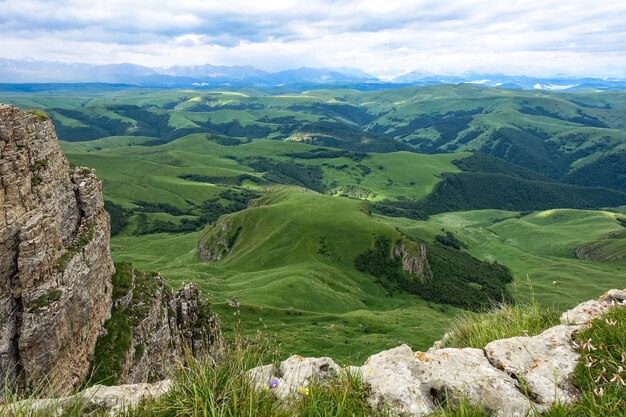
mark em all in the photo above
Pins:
pixel 306 391
pixel 299 389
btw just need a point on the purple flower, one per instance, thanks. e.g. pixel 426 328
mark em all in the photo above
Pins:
pixel 273 383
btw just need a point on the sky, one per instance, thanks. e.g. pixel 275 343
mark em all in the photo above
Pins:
pixel 382 37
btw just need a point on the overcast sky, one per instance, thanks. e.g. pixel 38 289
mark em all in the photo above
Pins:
pixel 382 37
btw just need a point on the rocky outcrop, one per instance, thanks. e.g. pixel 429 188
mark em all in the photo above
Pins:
pixel 545 363
pixel 217 240
pixel 598 250
pixel 414 258
pixel 455 375
pixel 406 395
pixel 198 329
pixel 294 375
pixel 114 400
pixel 55 263
pixel 151 328
pixel 64 310
pixel 509 377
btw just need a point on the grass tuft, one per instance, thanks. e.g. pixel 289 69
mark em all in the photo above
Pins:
pixel 39 113
pixel 223 390
pixel 503 321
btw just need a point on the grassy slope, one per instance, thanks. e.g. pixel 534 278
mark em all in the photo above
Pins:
pixel 579 127
pixel 151 173
pixel 131 173
pixel 538 246
pixel 312 302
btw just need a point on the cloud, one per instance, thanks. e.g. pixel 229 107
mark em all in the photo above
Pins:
pixel 579 37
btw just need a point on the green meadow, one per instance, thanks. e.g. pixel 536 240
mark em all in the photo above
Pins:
pixel 318 169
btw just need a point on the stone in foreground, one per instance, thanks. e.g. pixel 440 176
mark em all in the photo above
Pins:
pixel 458 374
pixel 114 400
pixel 585 312
pixel 391 376
pixel 545 363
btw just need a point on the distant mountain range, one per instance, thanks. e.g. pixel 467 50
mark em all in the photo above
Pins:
pixel 31 71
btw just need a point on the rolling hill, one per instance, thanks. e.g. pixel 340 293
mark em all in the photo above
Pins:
pixel 311 191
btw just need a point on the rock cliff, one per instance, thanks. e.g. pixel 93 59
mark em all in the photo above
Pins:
pixel 151 327
pixel 55 263
pixel 414 259
pixel 65 312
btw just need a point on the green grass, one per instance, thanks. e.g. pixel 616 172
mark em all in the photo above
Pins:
pixel 40 114
pixel 311 300
pixel 600 370
pixel 274 276
pixel 503 321
pixel 539 246
pixel 225 391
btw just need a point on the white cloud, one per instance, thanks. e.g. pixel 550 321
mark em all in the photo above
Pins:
pixel 578 37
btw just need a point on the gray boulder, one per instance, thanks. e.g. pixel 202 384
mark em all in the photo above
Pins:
pixel 391 376
pixel 545 363
pixel 466 374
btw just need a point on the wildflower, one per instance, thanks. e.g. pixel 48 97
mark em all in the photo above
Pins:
pixel 303 390
pixel 588 345
pixel 599 392
pixel 273 384
pixel 589 361
pixel 611 322
pixel 601 377
pixel 617 378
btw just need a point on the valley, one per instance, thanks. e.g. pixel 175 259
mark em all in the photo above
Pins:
pixel 304 182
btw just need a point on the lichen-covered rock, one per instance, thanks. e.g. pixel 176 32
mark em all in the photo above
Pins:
pixel 55 263
pixel 457 374
pixel 261 376
pixel 545 363
pixel 391 376
pixel 114 400
pixel 198 329
pixel 589 310
pixel 294 375
pixel 297 373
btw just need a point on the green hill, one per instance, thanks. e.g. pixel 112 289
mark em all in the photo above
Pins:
pixel 292 177
pixel 539 246
pixel 555 135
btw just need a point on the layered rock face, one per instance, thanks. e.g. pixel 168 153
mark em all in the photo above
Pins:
pixel 151 327
pixel 55 262
pixel 414 259
pixel 64 310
